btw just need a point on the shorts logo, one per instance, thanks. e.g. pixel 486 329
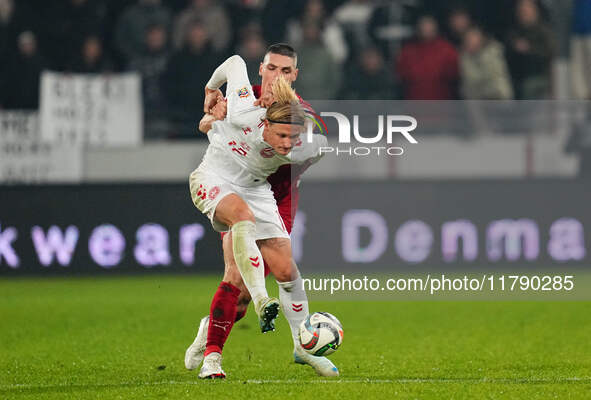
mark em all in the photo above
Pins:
pixel 243 93
pixel 267 152
pixel 213 193
pixel 201 193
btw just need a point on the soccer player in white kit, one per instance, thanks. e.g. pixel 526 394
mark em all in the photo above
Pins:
pixel 230 185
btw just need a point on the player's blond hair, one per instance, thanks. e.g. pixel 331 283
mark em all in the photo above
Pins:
pixel 286 108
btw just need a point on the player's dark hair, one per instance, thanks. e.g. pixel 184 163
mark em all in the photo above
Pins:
pixel 283 49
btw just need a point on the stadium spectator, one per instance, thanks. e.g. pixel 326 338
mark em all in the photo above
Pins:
pixel 483 68
pixel 459 22
pixel 319 76
pixel 186 75
pixel 9 29
pixel 213 16
pixel 177 6
pixel 71 22
pixel 353 17
pixel 130 32
pixel 91 58
pixel 252 48
pixel 10 26
pixel 331 33
pixel 274 18
pixel 428 66
pixel 581 50
pixel 392 23
pixel 151 64
pixel 579 143
pixel 368 79
pixel 530 50
pixel 24 70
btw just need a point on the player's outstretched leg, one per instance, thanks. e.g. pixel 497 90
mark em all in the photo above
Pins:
pixel 233 211
pixel 250 264
pixel 294 303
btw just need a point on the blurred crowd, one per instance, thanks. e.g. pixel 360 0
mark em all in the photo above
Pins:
pixel 348 49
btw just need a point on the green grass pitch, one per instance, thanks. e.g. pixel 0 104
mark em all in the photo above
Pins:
pixel 125 337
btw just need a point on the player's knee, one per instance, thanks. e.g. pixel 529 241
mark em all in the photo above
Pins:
pixel 285 274
pixel 243 214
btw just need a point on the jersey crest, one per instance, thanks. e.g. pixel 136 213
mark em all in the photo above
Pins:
pixel 243 93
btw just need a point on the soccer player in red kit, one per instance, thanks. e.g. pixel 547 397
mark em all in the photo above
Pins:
pixel 230 301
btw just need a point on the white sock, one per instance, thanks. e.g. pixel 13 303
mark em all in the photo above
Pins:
pixel 249 259
pixel 294 304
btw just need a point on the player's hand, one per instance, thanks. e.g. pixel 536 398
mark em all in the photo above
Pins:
pixel 265 100
pixel 212 97
pixel 220 110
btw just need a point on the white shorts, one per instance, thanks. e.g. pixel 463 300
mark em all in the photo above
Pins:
pixel 208 189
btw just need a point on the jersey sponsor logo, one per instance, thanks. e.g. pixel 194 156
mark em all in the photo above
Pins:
pixel 267 152
pixel 297 307
pixel 243 93
pixel 254 261
pixel 213 192
pixel 246 130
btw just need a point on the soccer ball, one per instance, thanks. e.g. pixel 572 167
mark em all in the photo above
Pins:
pixel 321 334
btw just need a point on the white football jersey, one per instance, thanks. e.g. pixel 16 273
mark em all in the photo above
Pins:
pixel 237 151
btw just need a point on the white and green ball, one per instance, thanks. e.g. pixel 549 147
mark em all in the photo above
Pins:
pixel 321 334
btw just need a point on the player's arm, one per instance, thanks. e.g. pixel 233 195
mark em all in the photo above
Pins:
pixel 239 95
pixel 217 113
pixel 206 123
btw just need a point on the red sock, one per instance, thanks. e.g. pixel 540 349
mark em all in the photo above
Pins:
pixel 221 317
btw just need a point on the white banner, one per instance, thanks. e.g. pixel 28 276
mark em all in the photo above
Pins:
pixel 97 110
pixel 25 158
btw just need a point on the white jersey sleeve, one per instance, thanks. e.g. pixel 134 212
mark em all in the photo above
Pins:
pixel 307 151
pixel 241 110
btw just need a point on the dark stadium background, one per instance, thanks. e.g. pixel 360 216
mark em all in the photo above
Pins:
pixel 348 50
